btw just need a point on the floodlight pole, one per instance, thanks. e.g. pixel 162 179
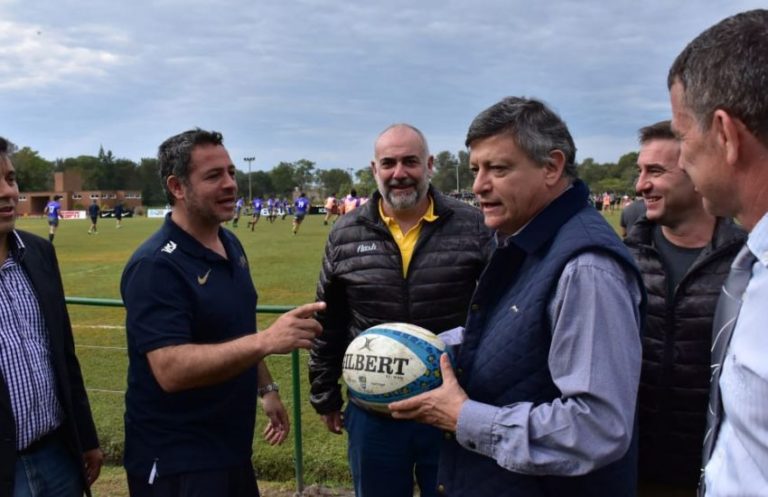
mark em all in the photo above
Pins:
pixel 458 163
pixel 249 160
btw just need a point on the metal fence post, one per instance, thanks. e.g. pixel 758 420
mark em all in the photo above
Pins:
pixel 297 442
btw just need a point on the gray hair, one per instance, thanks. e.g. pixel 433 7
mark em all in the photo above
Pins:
pixel 175 154
pixel 726 67
pixel 536 129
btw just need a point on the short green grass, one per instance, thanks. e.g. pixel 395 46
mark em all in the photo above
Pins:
pixel 613 218
pixel 284 269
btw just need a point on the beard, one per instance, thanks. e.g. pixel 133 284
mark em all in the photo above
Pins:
pixel 205 211
pixel 403 201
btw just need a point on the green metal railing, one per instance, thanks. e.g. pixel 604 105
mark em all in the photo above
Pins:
pixel 295 375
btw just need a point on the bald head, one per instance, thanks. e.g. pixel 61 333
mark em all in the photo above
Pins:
pixel 402 167
pixel 400 132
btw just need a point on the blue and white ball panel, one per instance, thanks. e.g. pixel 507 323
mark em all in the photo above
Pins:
pixel 391 362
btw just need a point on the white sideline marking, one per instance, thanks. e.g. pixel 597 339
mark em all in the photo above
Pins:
pixel 98 326
pixel 104 390
pixel 100 347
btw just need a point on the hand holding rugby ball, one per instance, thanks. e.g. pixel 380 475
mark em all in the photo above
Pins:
pixel 390 362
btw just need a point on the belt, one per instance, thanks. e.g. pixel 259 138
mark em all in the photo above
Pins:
pixel 41 442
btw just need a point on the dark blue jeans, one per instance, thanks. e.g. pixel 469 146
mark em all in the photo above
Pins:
pixel 386 454
pixel 49 471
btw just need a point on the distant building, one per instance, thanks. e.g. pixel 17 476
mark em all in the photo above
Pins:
pixel 69 184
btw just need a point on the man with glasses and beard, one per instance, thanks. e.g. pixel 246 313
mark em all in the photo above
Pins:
pixel 411 255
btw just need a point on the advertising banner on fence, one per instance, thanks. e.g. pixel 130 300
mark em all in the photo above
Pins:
pixel 157 212
pixel 73 214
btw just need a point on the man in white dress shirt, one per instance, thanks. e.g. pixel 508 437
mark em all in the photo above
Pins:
pixel 720 112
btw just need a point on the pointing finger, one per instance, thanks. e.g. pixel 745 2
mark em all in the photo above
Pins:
pixel 308 310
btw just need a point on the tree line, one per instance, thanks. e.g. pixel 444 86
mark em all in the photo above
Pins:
pixel 106 172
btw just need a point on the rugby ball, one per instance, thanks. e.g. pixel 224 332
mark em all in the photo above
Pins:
pixel 390 362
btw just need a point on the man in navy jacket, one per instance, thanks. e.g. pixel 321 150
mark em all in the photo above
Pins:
pixel 542 401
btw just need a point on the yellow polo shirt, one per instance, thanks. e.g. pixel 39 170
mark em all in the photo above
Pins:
pixel 407 242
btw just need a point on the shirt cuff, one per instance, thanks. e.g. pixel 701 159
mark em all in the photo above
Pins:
pixel 454 336
pixel 474 429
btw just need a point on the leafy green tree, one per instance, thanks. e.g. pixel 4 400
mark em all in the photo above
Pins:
pixel 148 175
pixel 34 174
pixel 334 181
pixel 303 173
pixel 116 174
pixel 444 178
pixel 88 166
pixel 365 184
pixel 262 184
pixel 627 171
pixel 590 172
pixel 282 177
pixel 105 173
pixel 466 178
pixel 124 175
pixel 241 179
pixel 615 185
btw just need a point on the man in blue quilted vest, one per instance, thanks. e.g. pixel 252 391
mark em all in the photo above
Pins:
pixel 541 398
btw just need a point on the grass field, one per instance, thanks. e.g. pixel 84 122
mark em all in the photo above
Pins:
pixel 284 269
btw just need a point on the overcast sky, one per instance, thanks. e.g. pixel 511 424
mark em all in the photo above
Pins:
pixel 318 79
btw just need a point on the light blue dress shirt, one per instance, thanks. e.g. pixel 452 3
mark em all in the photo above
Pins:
pixel 739 462
pixel 594 359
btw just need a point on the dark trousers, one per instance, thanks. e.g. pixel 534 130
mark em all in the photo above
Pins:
pixel 386 454
pixel 239 481
pixel 646 489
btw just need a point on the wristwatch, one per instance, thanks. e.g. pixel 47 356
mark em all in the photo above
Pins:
pixel 272 387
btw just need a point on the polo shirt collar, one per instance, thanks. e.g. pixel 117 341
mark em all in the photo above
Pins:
pixel 429 216
pixel 190 244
